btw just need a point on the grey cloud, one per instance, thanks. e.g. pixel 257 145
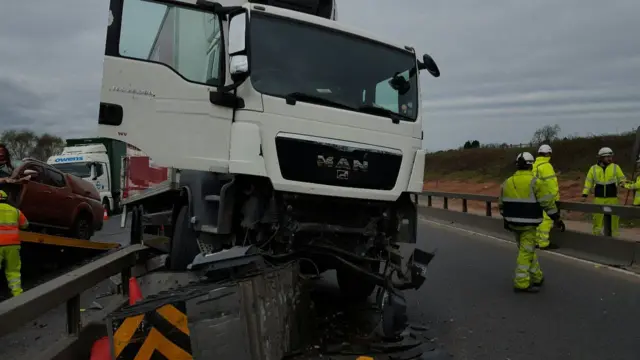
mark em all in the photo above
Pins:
pixel 508 67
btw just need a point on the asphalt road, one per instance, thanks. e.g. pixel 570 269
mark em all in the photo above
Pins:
pixel 584 312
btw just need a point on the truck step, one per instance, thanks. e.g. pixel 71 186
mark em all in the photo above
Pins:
pixel 209 229
pixel 212 198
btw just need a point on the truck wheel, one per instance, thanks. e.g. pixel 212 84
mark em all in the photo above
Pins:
pixel 354 285
pixel 184 246
pixel 81 227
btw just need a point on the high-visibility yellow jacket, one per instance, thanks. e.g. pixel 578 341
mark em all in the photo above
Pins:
pixel 11 221
pixel 543 170
pixel 636 188
pixel 604 181
pixel 523 198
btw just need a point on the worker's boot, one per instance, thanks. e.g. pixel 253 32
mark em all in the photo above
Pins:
pixel 539 284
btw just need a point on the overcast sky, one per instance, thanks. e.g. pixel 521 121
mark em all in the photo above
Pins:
pixel 508 67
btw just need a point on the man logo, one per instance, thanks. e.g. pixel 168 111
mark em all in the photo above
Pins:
pixel 342 174
pixel 343 163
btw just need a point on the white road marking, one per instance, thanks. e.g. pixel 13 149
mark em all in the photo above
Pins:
pixel 505 241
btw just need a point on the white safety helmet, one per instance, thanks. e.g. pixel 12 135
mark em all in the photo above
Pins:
pixel 544 149
pixel 527 157
pixel 605 151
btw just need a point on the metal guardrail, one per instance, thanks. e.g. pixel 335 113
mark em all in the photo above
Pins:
pixel 629 212
pixel 67 289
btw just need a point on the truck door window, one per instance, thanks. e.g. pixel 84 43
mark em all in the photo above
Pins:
pixel 54 178
pixel 187 40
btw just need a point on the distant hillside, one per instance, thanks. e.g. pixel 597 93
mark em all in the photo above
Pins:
pixel 571 157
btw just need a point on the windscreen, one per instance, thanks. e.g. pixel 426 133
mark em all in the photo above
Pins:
pixel 79 169
pixel 288 57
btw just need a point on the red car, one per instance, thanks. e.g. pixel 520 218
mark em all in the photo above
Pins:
pixel 55 202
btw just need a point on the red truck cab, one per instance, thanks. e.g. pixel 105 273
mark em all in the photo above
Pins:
pixel 56 202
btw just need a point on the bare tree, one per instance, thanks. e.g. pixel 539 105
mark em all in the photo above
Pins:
pixel 26 143
pixel 545 135
pixel 46 146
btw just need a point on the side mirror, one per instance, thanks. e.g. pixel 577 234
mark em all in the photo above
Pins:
pixel 238 63
pixel 92 171
pixel 30 172
pixel 429 64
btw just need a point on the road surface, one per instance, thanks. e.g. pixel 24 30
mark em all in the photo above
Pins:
pixel 584 312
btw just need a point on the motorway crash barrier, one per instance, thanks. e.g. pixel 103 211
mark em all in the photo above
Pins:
pixel 605 249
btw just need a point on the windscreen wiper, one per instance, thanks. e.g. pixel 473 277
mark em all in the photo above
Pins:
pixel 376 110
pixel 314 99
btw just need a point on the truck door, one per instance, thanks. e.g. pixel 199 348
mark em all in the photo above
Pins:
pixel 162 60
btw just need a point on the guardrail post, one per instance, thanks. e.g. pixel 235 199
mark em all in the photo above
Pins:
pixel 607 225
pixel 464 205
pixel 125 275
pixel 74 321
pixel 429 202
pixel 446 203
pixel 488 208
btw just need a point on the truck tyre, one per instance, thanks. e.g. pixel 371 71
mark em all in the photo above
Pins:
pixel 355 286
pixel 184 246
pixel 82 227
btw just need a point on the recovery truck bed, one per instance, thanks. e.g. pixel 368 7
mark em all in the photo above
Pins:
pixel 266 311
pixel 45 256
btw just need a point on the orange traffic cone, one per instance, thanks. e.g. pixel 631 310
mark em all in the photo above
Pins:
pixel 135 294
pixel 101 349
pixel 105 216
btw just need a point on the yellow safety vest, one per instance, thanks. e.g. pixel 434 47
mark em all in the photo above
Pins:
pixel 603 181
pixel 523 198
pixel 11 220
pixel 543 170
pixel 636 189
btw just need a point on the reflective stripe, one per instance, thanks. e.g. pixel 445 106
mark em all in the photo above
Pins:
pixel 9 232
pixel 522 275
pixel 551 212
pixel 9 224
pixel 524 220
pixel 524 201
pixel 523 267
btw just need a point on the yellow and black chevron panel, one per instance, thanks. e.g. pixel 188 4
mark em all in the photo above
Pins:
pixel 161 334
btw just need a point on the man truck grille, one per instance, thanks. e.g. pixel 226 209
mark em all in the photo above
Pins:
pixel 331 164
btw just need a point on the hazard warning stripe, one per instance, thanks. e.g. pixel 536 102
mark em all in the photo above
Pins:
pixel 125 332
pixel 159 334
pixel 155 341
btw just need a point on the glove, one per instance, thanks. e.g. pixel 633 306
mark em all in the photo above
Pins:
pixel 560 225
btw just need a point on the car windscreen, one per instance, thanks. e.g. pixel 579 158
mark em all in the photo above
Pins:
pixel 79 169
pixel 291 57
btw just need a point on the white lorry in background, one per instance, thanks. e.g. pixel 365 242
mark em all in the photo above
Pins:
pixel 292 135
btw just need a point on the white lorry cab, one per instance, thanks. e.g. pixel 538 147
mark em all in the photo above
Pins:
pixel 289 133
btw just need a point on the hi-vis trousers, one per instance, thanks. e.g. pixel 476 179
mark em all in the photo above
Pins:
pixel 10 262
pixel 528 270
pixel 598 219
pixel 543 231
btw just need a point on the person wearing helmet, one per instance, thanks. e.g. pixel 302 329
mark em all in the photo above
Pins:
pixel 635 186
pixel 11 221
pixel 543 170
pixel 603 179
pixel 523 200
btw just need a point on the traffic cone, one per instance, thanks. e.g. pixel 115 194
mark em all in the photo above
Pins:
pixel 101 349
pixel 105 216
pixel 135 294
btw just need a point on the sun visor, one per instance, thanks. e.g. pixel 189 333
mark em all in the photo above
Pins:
pixel 322 8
